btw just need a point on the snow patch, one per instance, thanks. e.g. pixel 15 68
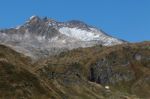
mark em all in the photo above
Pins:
pixel 82 35
pixel 40 38
pixel 18 27
pixel 32 17
pixel 89 35
pixel 3 34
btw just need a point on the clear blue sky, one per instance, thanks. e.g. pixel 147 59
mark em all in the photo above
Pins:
pixel 125 19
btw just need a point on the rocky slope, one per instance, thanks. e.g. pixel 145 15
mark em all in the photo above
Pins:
pixel 41 37
pixel 124 68
pixel 115 72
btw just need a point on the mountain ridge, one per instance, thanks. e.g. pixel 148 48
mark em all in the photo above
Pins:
pixel 40 37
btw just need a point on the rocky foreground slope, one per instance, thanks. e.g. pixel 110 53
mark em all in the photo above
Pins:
pixel 115 72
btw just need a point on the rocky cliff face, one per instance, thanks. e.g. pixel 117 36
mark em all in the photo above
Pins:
pixel 39 37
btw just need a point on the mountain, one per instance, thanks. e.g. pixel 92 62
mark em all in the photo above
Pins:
pixel 99 72
pixel 73 61
pixel 42 37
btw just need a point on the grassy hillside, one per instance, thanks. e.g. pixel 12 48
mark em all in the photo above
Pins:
pixel 122 67
pixel 82 73
pixel 16 80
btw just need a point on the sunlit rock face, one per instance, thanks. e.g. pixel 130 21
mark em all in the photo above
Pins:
pixel 41 37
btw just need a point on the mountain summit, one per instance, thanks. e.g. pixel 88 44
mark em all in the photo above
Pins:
pixel 41 37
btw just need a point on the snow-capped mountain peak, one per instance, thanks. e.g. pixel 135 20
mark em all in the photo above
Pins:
pixel 32 17
pixel 40 37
